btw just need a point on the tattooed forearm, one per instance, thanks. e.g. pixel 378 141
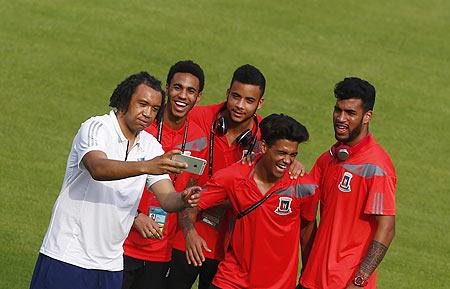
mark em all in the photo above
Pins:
pixel 375 254
pixel 186 219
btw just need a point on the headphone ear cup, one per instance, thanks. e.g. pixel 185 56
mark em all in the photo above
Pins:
pixel 221 126
pixel 245 139
pixel 339 151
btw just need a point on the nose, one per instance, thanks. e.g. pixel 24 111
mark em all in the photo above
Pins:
pixel 183 94
pixel 147 112
pixel 240 103
pixel 287 159
pixel 340 116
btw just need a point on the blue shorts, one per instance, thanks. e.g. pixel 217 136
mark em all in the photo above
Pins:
pixel 53 274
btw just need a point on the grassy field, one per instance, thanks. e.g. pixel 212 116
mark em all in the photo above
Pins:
pixel 60 61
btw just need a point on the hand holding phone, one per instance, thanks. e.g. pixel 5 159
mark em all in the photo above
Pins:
pixel 195 165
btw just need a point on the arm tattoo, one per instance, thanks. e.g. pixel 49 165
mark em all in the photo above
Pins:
pixel 186 219
pixel 375 254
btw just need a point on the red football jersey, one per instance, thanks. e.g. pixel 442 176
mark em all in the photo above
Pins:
pixel 264 246
pixel 351 193
pixel 155 249
pixel 212 224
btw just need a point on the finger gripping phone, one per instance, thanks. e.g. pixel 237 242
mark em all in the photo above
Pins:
pixel 195 165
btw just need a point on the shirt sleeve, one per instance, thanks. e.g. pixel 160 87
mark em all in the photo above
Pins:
pixel 308 190
pixel 214 193
pixel 199 115
pixel 92 136
pixel 308 207
pixel 381 196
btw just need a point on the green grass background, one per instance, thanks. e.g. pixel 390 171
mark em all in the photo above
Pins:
pixel 61 60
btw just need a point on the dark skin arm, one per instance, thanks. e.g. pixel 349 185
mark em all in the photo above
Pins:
pixel 194 243
pixel 378 247
pixel 103 169
pixel 307 235
pixel 170 200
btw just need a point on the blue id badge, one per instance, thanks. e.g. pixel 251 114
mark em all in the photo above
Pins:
pixel 158 215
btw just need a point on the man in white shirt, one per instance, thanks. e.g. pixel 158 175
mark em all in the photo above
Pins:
pixel 111 160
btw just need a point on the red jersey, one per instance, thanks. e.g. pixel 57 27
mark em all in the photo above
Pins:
pixel 212 224
pixel 351 193
pixel 264 248
pixel 160 250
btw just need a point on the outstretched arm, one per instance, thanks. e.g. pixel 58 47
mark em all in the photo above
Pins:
pixel 170 200
pixel 103 169
pixel 378 247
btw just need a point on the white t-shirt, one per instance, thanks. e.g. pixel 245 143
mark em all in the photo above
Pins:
pixel 91 219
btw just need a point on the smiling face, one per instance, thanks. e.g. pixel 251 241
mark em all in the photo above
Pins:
pixel 144 105
pixel 350 121
pixel 277 158
pixel 182 94
pixel 242 101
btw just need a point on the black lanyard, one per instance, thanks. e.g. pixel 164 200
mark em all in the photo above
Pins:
pixel 183 144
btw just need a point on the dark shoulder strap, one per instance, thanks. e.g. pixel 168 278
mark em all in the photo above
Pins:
pixel 254 206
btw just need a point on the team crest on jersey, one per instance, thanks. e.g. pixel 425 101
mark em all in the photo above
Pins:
pixel 344 185
pixel 284 207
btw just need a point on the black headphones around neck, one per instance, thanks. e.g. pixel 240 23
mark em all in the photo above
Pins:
pixel 246 139
pixel 342 152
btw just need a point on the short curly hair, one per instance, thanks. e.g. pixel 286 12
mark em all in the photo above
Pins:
pixel 354 87
pixel 187 66
pixel 249 74
pixel 279 126
pixel 120 99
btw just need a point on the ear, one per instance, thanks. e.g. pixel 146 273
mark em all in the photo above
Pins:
pixel 199 96
pixel 367 117
pixel 167 90
pixel 263 147
pixel 228 93
pixel 260 102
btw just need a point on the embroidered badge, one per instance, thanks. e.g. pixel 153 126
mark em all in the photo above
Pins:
pixel 344 185
pixel 284 207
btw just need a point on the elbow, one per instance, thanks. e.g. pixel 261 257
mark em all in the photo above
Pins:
pixel 391 232
pixel 387 233
pixel 96 173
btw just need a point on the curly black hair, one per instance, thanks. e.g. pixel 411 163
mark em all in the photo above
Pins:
pixel 187 66
pixel 248 74
pixel 120 99
pixel 279 126
pixel 354 87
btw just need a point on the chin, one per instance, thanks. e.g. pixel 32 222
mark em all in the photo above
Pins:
pixel 342 139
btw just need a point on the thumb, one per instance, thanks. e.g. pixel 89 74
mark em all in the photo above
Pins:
pixel 188 192
pixel 205 246
pixel 169 154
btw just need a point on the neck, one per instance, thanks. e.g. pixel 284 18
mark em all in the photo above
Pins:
pixel 364 132
pixel 263 176
pixel 129 134
pixel 172 121
pixel 234 129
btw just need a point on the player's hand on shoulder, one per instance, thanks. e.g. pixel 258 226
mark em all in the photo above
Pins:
pixel 249 159
pixel 164 164
pixel 147 227
pixel 194 248
pixel 296 169
pixel 191 196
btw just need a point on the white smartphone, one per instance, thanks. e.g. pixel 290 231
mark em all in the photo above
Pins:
pixel 195 165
